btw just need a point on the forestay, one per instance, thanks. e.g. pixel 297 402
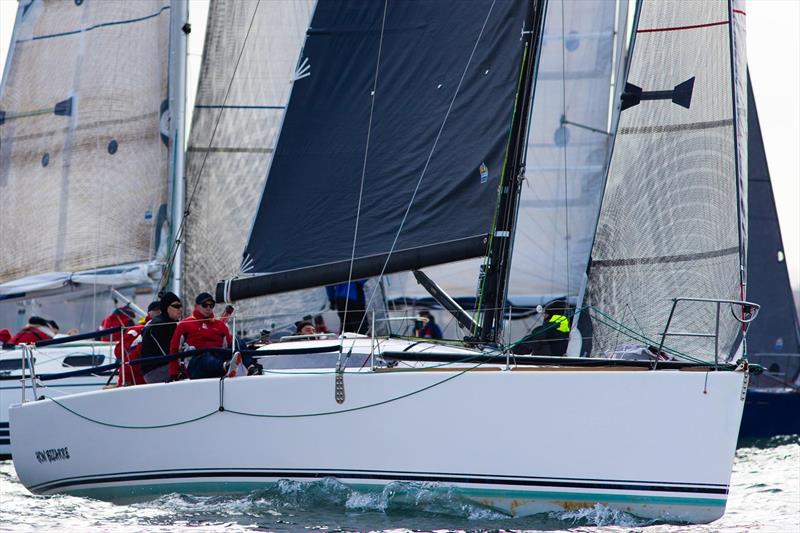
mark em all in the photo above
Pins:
pixel 670 220
pixel 250 60
pixel 83 163
pixel 431 143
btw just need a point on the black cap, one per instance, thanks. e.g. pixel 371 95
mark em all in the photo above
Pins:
pixel 37 321
pixel 153 305
pixel 204 297
pixel 53 324
pixel 301 324
pixel 167 299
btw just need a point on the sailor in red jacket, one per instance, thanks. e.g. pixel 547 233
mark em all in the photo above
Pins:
pixel 201 331
pixel 132 343
pixel 37 329
pixel 5 336
pixel 120 317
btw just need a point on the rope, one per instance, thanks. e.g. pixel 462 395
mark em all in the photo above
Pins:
pixel 364 172
pixel 564 151
pixel 121 426
pixel 430 154
pixel 263 415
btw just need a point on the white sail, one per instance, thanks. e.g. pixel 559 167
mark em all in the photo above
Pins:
pixel 249 62
pixel 669 225
pixel 566 161
pixel 83 163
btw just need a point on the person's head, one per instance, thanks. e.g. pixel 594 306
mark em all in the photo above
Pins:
pixel 127 311
pixel 171 306
pixel 153 309
pixel 38 321
pixel 305 327
pixel 204 305
pixel 53 325
pixel 428 315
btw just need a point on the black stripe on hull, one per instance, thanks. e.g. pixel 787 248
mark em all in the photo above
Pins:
pixel 706 489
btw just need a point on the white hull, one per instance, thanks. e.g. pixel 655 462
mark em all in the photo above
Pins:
pixel 654 443
pixel 48 361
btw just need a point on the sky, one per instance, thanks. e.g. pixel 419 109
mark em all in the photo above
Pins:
pixel 773 47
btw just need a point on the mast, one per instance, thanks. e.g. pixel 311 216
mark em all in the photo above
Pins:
pixel 179 30
pixel 494 285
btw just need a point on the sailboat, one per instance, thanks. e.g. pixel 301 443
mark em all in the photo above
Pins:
pixel 773 398
pixel 409 116
pixel 89 119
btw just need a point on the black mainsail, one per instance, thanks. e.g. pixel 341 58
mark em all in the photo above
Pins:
pixel 431 145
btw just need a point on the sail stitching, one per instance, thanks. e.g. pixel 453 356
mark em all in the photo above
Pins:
pixel 433 149
pixel 677 127
pixel 95 27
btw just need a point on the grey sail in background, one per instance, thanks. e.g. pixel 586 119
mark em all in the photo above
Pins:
pixel 669 223
pixel 235 124
pixel 776 331
pixel 84 93
pixel 429 127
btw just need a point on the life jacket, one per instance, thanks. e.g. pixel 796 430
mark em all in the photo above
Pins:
pixel 562 321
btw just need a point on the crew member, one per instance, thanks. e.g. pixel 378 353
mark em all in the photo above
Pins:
pixel 132 344
pixel 5 336
pixel 202 331
pixel 37 329
pixel 428 329
pixel 156 337
pixel 551 338
pixel 121 317
pixel 350 303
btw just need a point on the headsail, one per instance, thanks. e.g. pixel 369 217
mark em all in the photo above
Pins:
pixel 83 162
pixel 438 129
pixel 250 55
pixel 669 223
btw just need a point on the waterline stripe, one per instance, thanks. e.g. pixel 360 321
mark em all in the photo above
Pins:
pixel 248 486
pixel 373 475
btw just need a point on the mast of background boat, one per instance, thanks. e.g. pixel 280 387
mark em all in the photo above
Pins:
pixel 494 285
pixel 178 33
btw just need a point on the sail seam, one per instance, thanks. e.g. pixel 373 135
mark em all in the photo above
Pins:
pixel 95 27
pixel 665 258
pixel 680 28
pixel 98 124
pixel 230 150
pixel 677 127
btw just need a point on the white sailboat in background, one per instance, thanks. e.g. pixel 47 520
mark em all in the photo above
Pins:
pixel 87 151
pixel 359 135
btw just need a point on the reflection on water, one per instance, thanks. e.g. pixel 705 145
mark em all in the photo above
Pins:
pixel 765 496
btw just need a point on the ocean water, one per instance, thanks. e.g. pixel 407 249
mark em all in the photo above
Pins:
pixel 765 496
